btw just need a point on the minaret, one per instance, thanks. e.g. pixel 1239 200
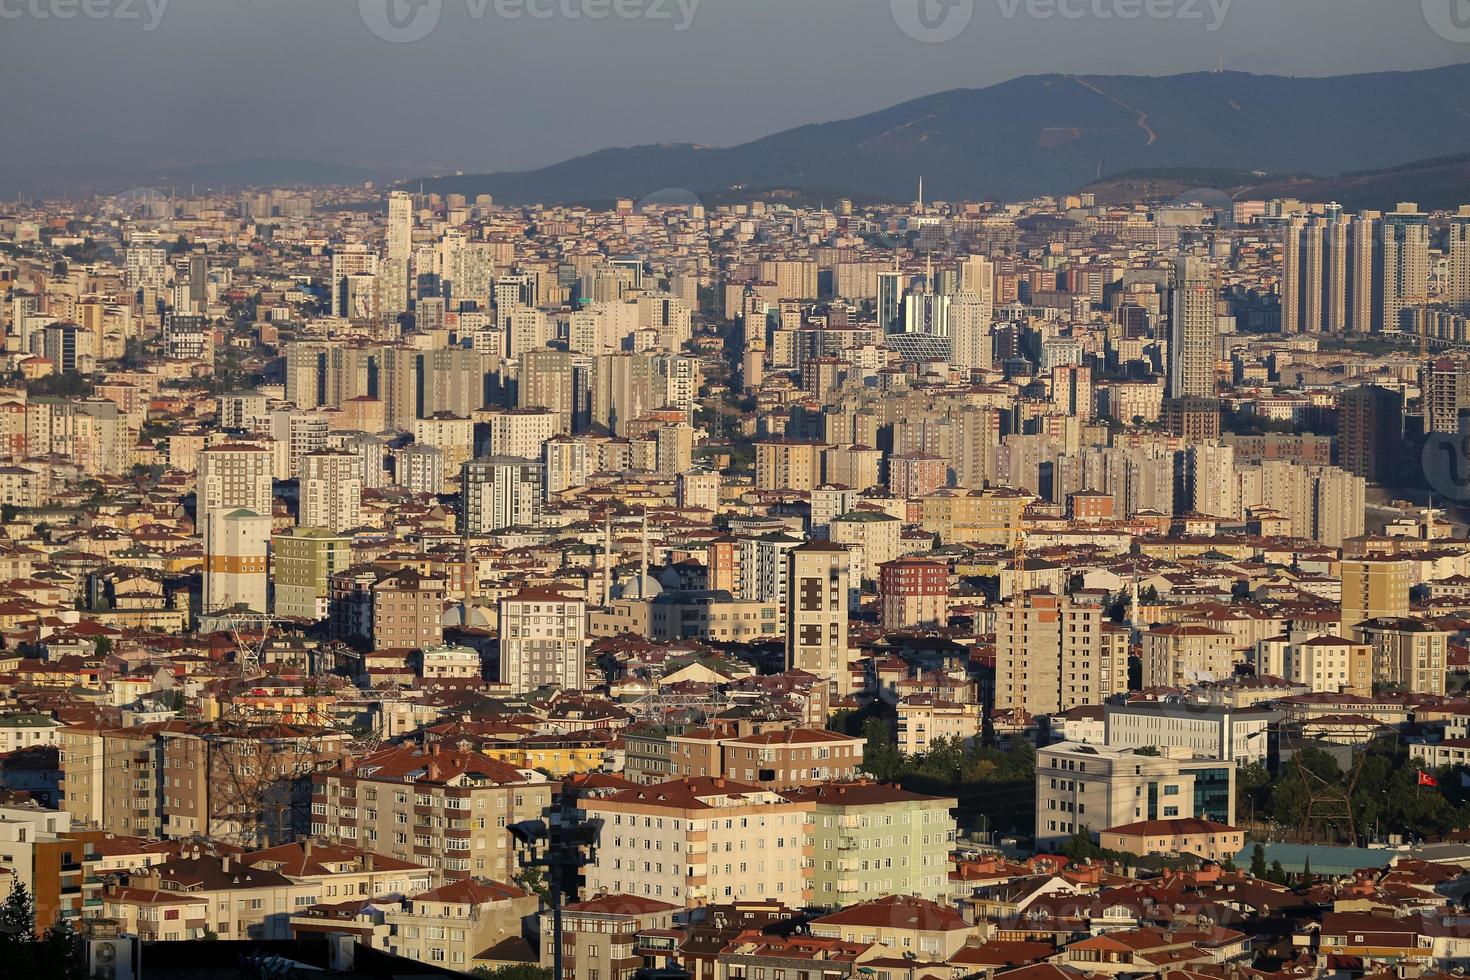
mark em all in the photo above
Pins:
pixel 1134 618
pixel 921 194
pixel 643 556
pixel 607 562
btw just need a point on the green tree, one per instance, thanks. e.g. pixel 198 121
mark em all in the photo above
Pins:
pixel 1252 790
pixel 1080 846
pixel 59 953
pixel 1258 861
pixel 881 757
pixel 18 932
pixel 512 973
pixel 1277 873
pixel 533 880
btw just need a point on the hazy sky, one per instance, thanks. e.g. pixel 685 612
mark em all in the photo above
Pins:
pixel 230 79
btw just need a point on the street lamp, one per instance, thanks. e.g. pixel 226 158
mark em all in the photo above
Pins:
pixel 562 844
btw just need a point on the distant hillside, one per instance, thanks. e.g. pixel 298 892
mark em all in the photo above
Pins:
pixel 1044 134
pixel 1442 183
pixel 100 178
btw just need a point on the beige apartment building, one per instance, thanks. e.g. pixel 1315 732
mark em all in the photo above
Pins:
pixel 445 809
pixel 792 757
pixel 877 538
pixel 408 611
pixel 1408 655
pixel 818 576
pixel 698 841
pixel 922 718
pixel 788 465
pixel 909 927
pixel 707 614
pixel 110 778
pixel 449 925
pixel 248 786
pixel 600 935
pixel 1375 587
pixel 778 759
pixel 982 516
pixel 1052 655
pixel 543 640
pixel 1329 663
pixel 251 896
pixel 1182 654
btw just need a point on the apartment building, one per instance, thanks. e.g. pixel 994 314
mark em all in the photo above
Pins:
pixel 699 840
pixel 871 840
pixel 914 593
pixel 446 809
pixel 792 757
pixel 408 610
pixel 907 926
pixel 449 925
pixel 543 640
pixel 923 718
pixel 1181 654
pixel 250 896
pixel 1408 655
pixel 1375 587
pixel 1329 663
pixel 776 759
pixel 1053 654
pixel 817 579
pixel 600 937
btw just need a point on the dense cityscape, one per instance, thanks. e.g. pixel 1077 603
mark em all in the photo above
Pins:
pixel 404 582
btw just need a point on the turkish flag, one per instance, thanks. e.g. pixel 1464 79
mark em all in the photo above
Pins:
pixel 1427 780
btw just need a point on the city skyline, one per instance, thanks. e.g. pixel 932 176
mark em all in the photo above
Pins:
pixel 605 72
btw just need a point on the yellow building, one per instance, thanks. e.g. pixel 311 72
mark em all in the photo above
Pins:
pixel 976 516
pixel 556 755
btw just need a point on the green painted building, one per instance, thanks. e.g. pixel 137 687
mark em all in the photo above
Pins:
pixel 302 559
pixel 871 840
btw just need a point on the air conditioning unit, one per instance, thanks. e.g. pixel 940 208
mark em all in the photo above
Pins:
pixel 114 959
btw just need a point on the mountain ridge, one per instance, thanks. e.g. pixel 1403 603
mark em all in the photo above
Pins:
pixel 1040 134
